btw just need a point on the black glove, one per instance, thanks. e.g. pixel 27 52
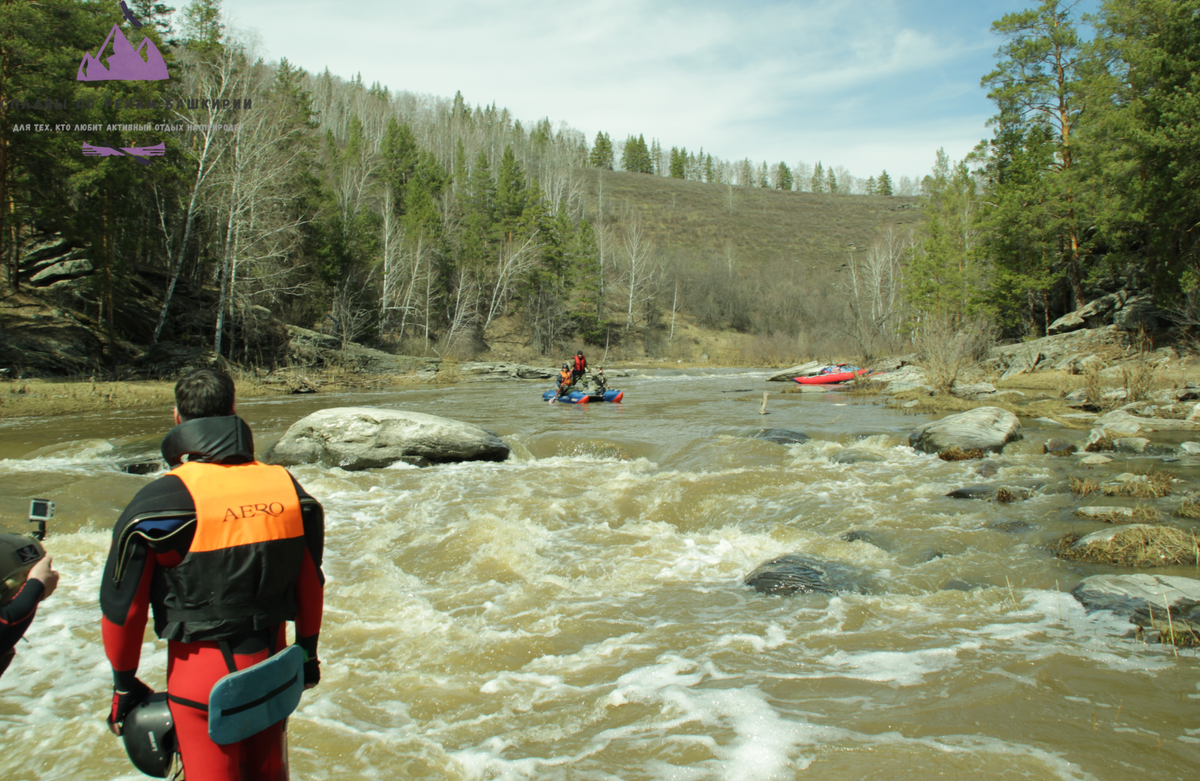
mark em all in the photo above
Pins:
pixel 312 665
pixel 124 702
pixel 312 672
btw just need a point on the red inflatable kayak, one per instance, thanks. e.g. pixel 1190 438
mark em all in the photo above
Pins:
pixel 829 379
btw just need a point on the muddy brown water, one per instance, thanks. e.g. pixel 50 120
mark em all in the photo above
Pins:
pixel 578 612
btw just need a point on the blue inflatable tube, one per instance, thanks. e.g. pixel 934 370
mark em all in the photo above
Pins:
pixel 579 397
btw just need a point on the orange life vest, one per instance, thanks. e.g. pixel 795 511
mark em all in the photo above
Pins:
pixel 245 555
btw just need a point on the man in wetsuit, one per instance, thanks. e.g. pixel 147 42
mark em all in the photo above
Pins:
pixel 28 579
pixel 225 550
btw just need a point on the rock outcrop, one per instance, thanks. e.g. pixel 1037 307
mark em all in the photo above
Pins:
pixel 356 438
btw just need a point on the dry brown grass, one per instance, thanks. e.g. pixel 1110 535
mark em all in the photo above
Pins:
pixel 1158 546
pixel 1005 496
pixel 959 454
pixel 37 398
pixel 1139 514
pixel 1140 377
pixel 1176 632
pixel 1058 383
pixel 1095 388
pixel 1155 485
pixel 1190 508
pixel 1082 486
pixel 941 404
pixel 41 399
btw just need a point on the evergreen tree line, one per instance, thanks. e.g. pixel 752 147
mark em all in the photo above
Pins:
pixel 1089 183
pixel 636 157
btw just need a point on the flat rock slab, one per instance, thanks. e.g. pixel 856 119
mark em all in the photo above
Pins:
pixel 1121 421
pixel 1136 596
pixel 356 438
pixel 802 370
pixel 983 428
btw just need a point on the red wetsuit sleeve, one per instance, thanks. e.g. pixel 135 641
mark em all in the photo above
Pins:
pixel 310 598
pixel 123 642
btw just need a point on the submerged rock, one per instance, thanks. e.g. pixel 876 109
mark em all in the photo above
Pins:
pixel 1095 459
pixel 781 436
pixel 794 573
pixel 973 492
pixel 1058 447
pixel 142 467
pixel 856 456
pixel 985 428
pixel 987 469
pixel 1001 493
pixel 367 437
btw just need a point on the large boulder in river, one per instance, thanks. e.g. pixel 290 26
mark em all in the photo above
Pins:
pixel 369 437
pixel 983 428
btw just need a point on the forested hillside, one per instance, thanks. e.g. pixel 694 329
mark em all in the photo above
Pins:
pixel 412 222
pixel 208 207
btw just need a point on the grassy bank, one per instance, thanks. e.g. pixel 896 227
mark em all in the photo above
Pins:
pixel 45 398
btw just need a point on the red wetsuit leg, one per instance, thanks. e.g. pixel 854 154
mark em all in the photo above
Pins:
pixel 192 670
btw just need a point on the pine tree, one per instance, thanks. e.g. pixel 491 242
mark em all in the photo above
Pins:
pixel 818 178
pixel 1038 83
pixel 871 187
pixel 204 26
pixel 831 182
pixel 783 176
pixel 885 184
pixel 1154 174
pixel 678 163
pixel 512 196
pixel 602 152
pixel 945 274
pixel 635 158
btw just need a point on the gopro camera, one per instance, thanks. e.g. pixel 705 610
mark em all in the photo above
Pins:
pixel 40 511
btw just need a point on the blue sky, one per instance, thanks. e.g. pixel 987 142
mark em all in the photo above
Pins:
pixel 865 84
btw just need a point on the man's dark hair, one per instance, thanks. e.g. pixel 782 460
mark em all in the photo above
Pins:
pixel 204 393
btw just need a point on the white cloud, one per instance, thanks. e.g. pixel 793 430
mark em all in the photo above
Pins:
pixel 767 80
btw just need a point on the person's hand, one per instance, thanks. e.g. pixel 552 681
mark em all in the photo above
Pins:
pixel 45 573
pixel 312 673
pixel 124 702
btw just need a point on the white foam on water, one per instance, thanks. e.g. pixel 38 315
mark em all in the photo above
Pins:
pixel 902 668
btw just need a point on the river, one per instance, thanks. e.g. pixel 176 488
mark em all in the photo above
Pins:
pixel 578 612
